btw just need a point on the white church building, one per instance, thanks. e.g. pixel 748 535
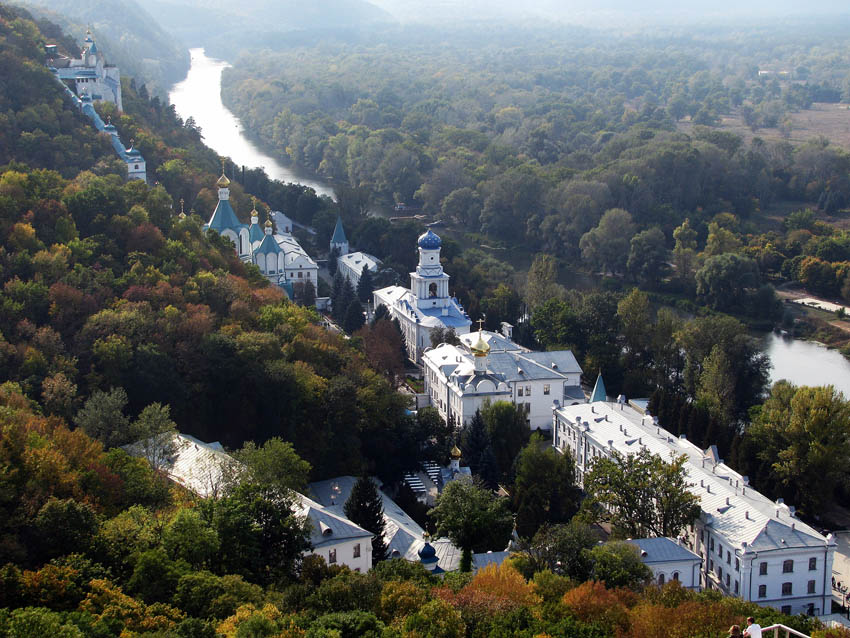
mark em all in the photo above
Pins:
pixel 487 366
pixel 426 305
pixel 750 546
pixel 89 73
pixel 279 256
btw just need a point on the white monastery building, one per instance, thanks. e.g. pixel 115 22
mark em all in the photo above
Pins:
pixel 427 304
pixel 351 266
pixel 89 73
pixel 669 559
pixel 278 256
pixel 750 546
pixel 488 366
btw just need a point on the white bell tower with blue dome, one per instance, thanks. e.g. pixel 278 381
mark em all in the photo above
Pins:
pixel 429 284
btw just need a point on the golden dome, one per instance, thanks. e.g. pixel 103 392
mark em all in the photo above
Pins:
pixel 223 182
pixel 455 453
pixel 268 223
pixel 182 215
pixel 480 348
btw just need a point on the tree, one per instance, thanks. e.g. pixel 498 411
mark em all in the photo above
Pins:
pixel 473 518
pixel 275 464
pixel 102 417
pixel 436 619
pixel 365 507
pixel 188 537
pixel 562 549
pixel 365 285
pixel 542 281
pixel 333 256
pixel 544 488
pixel 503 304
pixel 383 346
pixel 726 281
pixel 507 432
pixel 308 294
pixel 606 247
pixel 353 319
pixel 155 433
pixel 641 494
pixel 64 526
pixel 440 335
pixel 618 564
pixel 801 435
pixel 473 441
pixel 684 252
pixel 648 257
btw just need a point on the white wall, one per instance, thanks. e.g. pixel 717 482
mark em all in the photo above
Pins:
pixel 345 554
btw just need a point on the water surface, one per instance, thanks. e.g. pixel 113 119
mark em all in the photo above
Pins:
pixel 199 97
pixel 807 363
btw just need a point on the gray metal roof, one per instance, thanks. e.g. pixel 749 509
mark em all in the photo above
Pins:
pixel 663 550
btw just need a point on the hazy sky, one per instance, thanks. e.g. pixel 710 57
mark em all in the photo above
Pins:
pixel 601 11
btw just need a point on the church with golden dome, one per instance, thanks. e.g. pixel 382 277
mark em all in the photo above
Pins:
pixel 488 366
pixel 278 255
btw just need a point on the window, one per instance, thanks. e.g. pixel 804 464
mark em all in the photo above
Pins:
pixel 736 586
pixel 737 565
pixel 357 551
pixel 762 569
pixel 787 589
pixel 711 564
pixel 727 580
pixel 813 564
pixel 787 566
pixel 675 575
pixel 545 388
pixel 432 290
pixel 528 390
pixel 811 587
pixel 300 275
pixel 660 579
pixel 786 609
pixel 519 390
pixel 762 591
pixel 729 558
pixel 331 557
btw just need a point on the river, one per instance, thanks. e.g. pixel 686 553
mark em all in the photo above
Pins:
pixel 199 97
pixel 807 363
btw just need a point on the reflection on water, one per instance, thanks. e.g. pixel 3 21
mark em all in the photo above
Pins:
pixel 199 97
pixel 807 363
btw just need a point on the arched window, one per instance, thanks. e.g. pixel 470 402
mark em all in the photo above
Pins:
pixel 660 579
pixel 675 575
pixel 432 290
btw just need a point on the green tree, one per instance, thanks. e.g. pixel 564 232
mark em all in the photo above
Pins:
pixel 562 549
pixel 155 432
pixel 436 619
pixel 64 526
pixel 544 489
pixel 726 281
pixel 365 286
pixel 542 281
pixel 474 439
pixel 648 257
pixel 801 435
pixel 188 537
pixel 641 494
pixel 507 432
pixel 102 417
pixel 684 251
pixel 365 507
pixel 473 518
pixel 275 464
pixel 606 247
pixel 353 319
pixel 618 564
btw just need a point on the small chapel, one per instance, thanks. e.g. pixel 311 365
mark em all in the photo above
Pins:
pixel 427 304
pixel 89 74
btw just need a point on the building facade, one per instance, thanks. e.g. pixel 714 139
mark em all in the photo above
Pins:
pixel 279 256
pixel 750 546
pixel 427 304
pixel 487 366
pixel 670 560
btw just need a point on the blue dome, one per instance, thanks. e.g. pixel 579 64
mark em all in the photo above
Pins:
pixel 430 240
pixel 427 553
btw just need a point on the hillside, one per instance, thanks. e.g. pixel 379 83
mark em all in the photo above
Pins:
pixel 128 34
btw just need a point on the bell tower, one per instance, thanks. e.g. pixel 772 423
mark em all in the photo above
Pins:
pixel 429 284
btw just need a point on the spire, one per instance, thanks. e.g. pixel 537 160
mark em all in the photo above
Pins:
pixel 339 233
pixel 223 182
pixel 182 214
pixel 599 393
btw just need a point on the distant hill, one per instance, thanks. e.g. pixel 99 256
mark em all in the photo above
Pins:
pixel 225 28
pixel 127 34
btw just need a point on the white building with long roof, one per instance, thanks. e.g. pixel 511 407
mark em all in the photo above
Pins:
pixel 487 366
pixel 427 304
pixel 750 546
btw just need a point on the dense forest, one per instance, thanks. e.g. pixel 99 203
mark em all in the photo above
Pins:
pixel 600 148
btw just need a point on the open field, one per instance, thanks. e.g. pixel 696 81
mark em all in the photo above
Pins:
pixel 831 121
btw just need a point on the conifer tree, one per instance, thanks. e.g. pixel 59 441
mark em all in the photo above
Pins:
pixel 365 507
pixel 308 295
pixel 353 319
pixel 474 440
pixel 333 256
pixel 366 285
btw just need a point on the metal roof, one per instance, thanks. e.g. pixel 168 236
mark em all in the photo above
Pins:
pixel 663 550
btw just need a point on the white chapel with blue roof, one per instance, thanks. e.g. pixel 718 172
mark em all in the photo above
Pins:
pixel 279 256
pixel 427 305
